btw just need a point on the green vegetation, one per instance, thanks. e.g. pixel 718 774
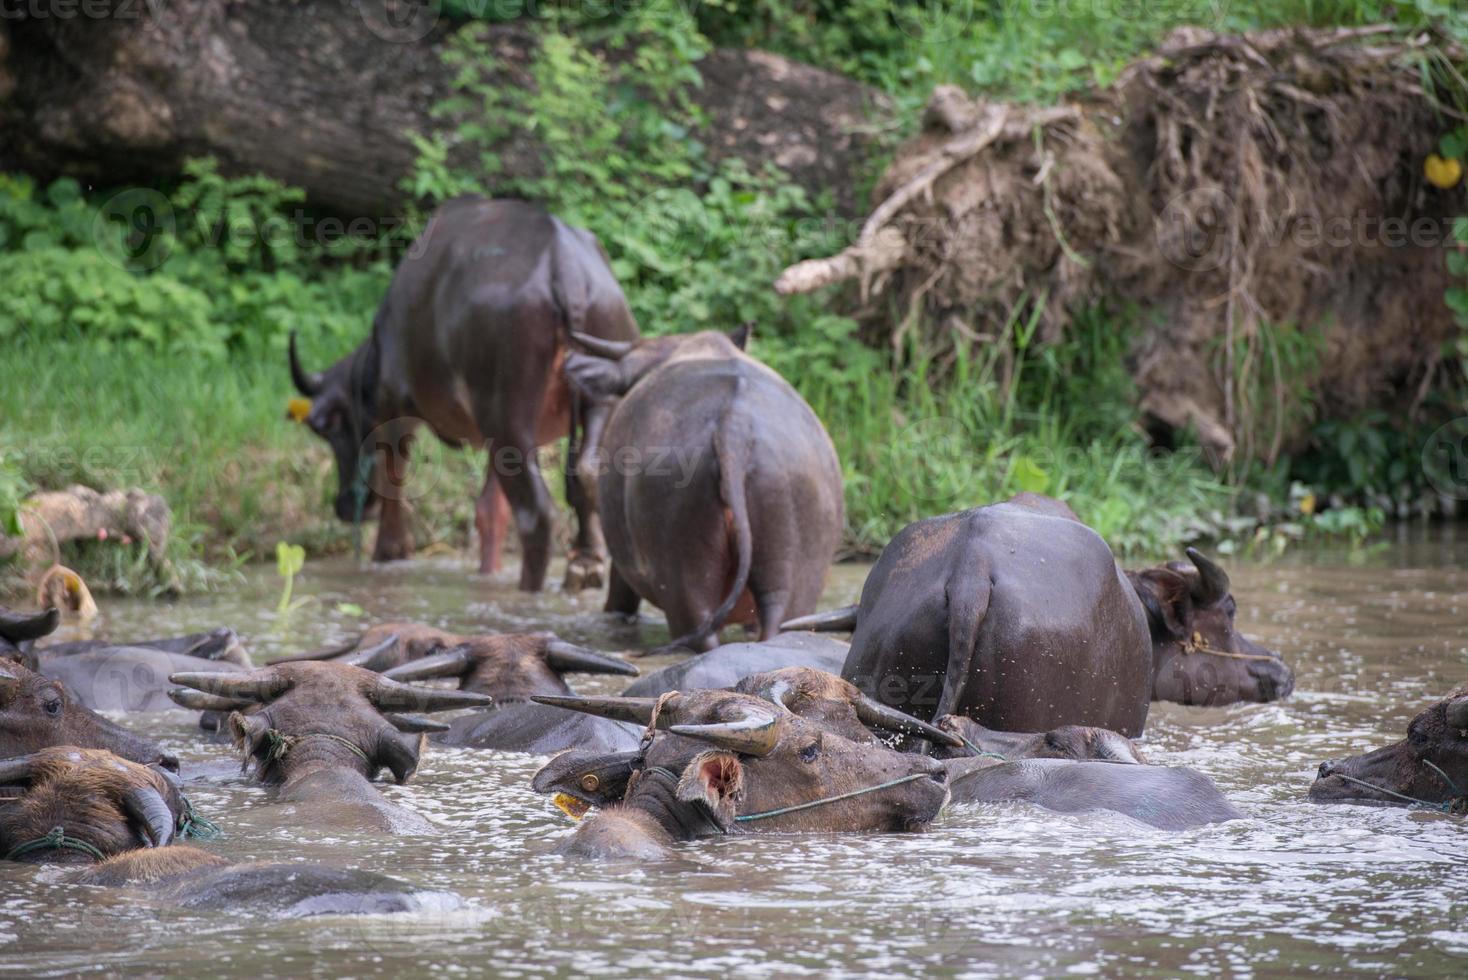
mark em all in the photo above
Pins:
pixel 148 330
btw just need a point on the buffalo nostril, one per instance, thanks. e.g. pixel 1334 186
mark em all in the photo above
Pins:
pixel 940 776
pixel 1325 770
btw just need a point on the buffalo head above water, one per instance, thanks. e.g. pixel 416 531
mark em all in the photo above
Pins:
pixel 1429 766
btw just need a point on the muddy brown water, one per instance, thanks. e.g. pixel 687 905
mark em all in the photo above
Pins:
pixel 990 890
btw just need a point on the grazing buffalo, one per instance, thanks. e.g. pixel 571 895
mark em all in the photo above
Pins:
pixel 1014 615
pixel 721 497
pixel 37 712
pixel 469 339
pixel 1169 798
pixel 322 731
pixel 1428 768
pixel 121 822
pixel 1198 657
pixel 722 761
pixel 1066 742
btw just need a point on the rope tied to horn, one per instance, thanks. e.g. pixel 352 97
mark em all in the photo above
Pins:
pixel 56 840
pixel 1198 643
pixel 279 744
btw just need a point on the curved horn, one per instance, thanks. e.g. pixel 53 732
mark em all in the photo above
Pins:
pixel 16 770
pixel 611 349
pixel 1212 582
pixel 255 685
pixel 375 657
pixel 841 620
pixel 152 817
pixel 756 733
pixel 413 724
pixel 306 383
pixel 17 627
pixel 636 710
pixel 568 658
pixel 389 695
pixel 1457 713
pixel 874 714
pixel 199 701
pixel 448 663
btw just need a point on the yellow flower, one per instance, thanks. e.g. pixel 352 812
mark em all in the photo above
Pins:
pixel 297 409
pixel 1443 173
pixel 1307 504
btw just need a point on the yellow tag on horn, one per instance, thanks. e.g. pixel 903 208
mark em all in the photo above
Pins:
pixel 1442 173
pixel 571 806
pixel 297 409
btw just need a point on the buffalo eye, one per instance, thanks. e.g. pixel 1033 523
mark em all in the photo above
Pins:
pixel 811 752
pixel 52 704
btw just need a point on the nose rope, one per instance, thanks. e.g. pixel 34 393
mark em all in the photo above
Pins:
pixel 745 817
pixel 1199 644
pixel 1451 806
pixel 280 745
pixel 981 752
pixel 56 840
pixel 191 826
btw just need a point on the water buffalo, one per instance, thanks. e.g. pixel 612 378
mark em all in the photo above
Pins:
pixel 1169 798
pixel 469 339
pixel 729 664
pixel 37 712
pixel 324 730
pixel 221 644
pixel 1014 615
pixel 121 823
pixel 1428 768
pixel 511 666
pixel 721 500
pixel 1066 742
pixel 1198 657
pixel 722 761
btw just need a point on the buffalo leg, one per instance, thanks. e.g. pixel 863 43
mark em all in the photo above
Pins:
pixel 770 610
pixel 491 518
pixel 588 554
pixel 394 540
pixel 622 599
pixel 530 502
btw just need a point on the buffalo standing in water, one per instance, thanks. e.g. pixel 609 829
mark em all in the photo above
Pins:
pixel 1014 614
pixel 721 499
pixel 469 339
pixel 1427 768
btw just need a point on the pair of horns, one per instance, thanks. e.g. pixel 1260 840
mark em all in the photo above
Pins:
pixel 841 620
pixel 145 807
pixel 234 691
pixel 1211 584
pixel 306 383
pixel 19 627
pixel 755 732
pixel 869 712
pixel 560 656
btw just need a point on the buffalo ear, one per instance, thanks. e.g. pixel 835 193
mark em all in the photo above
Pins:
pixel 740 334
pixel 1165 596
pixel 399 752
pixel 715 779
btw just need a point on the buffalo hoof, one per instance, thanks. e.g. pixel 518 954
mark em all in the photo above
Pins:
pixel 392 550
pixel 584 572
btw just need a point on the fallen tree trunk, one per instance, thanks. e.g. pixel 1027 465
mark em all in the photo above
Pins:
pixel 325 95
pixel 1261 196
pixel 52 518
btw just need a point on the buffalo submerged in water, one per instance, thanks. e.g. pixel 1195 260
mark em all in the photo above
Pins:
pixel 469 339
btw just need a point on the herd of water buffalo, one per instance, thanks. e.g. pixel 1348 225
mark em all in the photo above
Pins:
pixel 998 654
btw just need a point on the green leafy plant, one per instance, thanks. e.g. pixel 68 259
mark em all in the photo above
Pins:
pixel 289 560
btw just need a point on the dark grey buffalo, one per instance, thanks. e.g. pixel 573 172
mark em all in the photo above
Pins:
pixel 1169 798
pixel 731 663
pixel 469 339
pixel 719 489
pixel 1014 614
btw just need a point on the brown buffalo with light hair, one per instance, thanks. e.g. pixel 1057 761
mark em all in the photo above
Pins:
pixel 321 732
pixel 1428 768
pixel 721 761
pixel 119 824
